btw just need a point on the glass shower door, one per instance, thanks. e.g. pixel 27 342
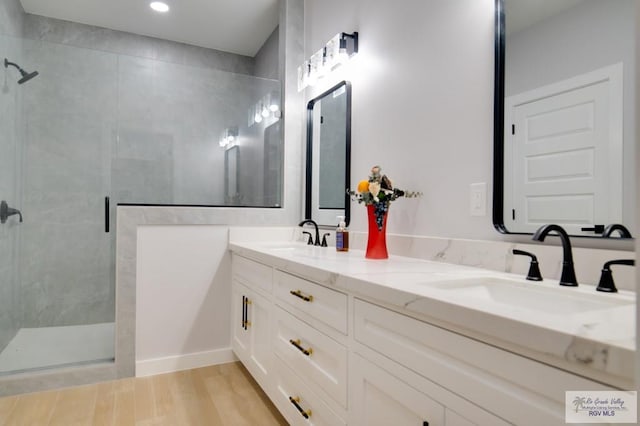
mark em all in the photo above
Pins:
pixel 65 274
pixel 10 154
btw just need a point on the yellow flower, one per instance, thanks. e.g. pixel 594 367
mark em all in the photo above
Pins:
pixel 363 186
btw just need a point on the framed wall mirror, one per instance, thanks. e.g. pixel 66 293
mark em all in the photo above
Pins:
pixel 329 155
pixel 564 115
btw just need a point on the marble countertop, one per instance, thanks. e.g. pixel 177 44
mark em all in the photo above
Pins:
pixel 574 328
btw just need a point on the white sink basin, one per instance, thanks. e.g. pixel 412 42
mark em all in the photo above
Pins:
pixel 559 301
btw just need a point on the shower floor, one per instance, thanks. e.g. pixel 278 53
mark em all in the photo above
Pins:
pixel 46 347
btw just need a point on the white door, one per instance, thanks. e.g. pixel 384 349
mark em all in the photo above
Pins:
pixel 565 160
pixel 259 324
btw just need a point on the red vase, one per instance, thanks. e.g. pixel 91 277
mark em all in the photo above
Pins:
pixel 377 242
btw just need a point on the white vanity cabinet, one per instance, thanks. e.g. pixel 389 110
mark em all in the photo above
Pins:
pixel 300 367
pixel 511 387
pixel 309 337
pixel 329 357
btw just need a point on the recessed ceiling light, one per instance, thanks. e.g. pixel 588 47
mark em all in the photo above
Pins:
pixel 159 6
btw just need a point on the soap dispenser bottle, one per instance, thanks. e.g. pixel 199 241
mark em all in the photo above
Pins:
pixel 342 235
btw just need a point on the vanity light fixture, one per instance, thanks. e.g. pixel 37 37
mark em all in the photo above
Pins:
pixel 265 111
pixel 159 6
pixel 273 100
pixel 336 52
pixel 267 107
pixel 257 117
pixel 229 136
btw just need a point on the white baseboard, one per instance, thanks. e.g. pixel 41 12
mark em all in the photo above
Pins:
pixel 150 367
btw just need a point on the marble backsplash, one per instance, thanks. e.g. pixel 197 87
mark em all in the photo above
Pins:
pixel 498 256
pixel 493 255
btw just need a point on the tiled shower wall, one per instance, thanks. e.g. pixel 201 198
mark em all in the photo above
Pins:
pixel 120 115
pixel 11 18
pixel 10 105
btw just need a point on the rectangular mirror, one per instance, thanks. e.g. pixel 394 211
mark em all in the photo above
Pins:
pixel 328 155
pixel 564 123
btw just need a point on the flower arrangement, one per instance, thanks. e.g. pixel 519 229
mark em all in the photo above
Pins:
pixel 378 191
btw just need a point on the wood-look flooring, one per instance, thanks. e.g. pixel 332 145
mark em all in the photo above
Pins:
pixel 217 395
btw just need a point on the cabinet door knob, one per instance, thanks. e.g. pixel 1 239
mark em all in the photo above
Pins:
pixel 298 293
pixel 296 402
pixel 298 345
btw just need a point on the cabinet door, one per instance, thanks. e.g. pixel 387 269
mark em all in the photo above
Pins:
pixel 259 324
pixel 380 399
pixel 239 330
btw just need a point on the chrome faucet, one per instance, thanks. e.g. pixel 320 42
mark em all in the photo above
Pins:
pixel 568 277
pixel 315 225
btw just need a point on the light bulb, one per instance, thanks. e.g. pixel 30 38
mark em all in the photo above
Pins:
pixel 230 138
pixel 159 6
pixel 343 56
pixel 257 118
pixel 265 112
pixel 274 107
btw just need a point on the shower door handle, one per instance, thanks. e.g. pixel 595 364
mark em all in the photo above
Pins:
pixel 106 214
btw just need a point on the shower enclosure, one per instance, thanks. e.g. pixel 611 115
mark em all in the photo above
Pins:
pixel 92 130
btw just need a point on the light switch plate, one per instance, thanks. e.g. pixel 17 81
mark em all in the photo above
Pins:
pixel 478 199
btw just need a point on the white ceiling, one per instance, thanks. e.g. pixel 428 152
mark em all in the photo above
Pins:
pixel 237 26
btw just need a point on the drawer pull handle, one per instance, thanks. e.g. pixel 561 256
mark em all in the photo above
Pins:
pixel 245 312
pixel 299 294
pixel 297 344
pixel 295 401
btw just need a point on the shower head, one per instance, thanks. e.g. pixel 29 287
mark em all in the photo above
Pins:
pixel 26 76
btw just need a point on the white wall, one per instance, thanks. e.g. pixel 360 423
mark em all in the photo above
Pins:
pixel 422 104
pixel 182 297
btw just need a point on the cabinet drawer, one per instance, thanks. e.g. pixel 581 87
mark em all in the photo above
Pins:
pixel 252 274
pixel 316 358
pixel 515 388
pixel 294 398
pixel 325 305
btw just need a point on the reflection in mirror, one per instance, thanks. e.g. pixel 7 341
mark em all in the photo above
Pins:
pixel 564 115
pixel 273 165
pixel 231 193
pixel 328 155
